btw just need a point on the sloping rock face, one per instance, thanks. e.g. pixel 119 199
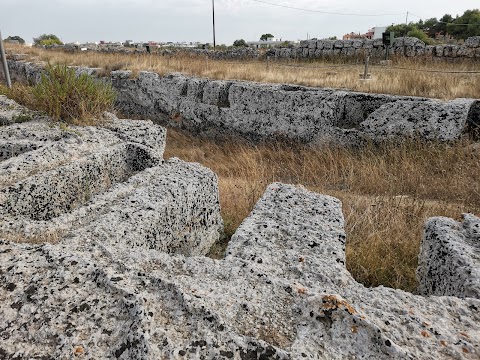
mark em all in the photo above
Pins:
pixel 266 111
pixel 449 260
pixel 282 292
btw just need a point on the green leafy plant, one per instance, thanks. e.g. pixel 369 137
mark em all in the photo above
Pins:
pixel 47 39
pixel 73 99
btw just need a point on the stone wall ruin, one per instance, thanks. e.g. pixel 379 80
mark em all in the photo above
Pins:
pixel 264 111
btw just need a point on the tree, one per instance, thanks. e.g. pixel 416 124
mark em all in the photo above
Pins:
pixel 441 26
pixel 240 43
pixel 265 37
pixel 419 34
pixel 15 38
pixel 463 31
pixel 400 29
pixel 47 40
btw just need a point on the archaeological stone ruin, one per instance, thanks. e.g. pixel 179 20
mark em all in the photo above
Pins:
pixel 102 245
pixel 103 241
pixel 264 111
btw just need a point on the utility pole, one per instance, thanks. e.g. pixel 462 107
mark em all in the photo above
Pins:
pixel 213 16
pixel 4 63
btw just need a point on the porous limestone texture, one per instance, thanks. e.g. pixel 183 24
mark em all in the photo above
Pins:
pixel 282 292
pixel 449 259
pixel 109 183
pixel 11 112
pixel 266 111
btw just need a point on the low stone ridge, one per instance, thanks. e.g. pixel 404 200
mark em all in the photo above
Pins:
pixel 282 292
pixel 449 260
pixel 265 111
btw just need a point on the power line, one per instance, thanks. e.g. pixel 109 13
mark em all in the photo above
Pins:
pixel 321 11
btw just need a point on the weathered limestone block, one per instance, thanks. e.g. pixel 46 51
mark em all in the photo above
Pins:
pixel 378 43
pixel 449 259
pixel 358 43
pixel 110 183
pixel 312 44
pixel 439 50
pixel 329 44
pixel 444 121
pixel 338 44
pixel 282 292
pixel 473 42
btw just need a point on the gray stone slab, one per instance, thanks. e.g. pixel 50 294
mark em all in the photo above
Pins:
pixel 449 259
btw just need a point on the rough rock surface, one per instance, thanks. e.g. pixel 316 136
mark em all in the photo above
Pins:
pixel 449 260
pixel 281 292
pixel 11 112
pixel 265 111
pixel 105 182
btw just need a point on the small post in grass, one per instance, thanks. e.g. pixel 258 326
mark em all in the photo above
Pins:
pixel 4 63
pixel 366 75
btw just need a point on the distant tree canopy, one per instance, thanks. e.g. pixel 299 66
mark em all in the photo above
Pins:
pixel 49 39
pixel 240 43
pixel 15 38
pixel 265 37
pixel 469 25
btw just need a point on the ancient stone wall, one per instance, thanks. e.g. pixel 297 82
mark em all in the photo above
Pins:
pixel 360 48
pixel 265 111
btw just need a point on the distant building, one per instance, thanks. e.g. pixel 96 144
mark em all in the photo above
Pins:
pixel 270 42
pixel 373 33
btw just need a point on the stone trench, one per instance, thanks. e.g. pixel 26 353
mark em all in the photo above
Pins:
pixel 102 246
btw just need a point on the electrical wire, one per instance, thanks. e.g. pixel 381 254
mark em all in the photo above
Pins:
pixel 321 11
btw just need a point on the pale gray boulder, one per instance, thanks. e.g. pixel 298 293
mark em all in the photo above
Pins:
pixel 449 259
pixel 425 119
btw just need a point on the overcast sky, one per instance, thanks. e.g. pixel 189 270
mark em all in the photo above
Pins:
pixel 191 20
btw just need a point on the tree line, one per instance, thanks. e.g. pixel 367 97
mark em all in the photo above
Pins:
pixel 459 27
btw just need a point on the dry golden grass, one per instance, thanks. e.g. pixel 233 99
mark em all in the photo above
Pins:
pixel 317 74
pixel 387 192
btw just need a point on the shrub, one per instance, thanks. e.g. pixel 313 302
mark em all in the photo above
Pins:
pixel 74 99
pixel 47 39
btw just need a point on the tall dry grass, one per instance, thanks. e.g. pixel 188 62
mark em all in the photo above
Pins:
pixel 387 192
pixel 386 80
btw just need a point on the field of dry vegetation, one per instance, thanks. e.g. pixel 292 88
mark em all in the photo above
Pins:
pixel 387 192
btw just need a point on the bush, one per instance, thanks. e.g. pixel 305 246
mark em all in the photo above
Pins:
pixel 47 40
pixel 70 98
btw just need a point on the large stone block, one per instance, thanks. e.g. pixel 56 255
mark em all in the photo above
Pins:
pixel 449 263
pixel 110 183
